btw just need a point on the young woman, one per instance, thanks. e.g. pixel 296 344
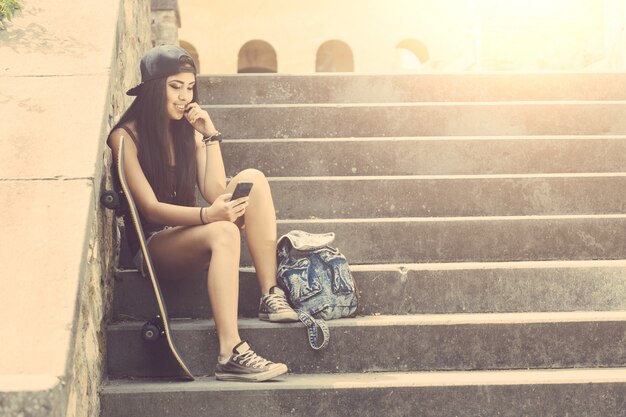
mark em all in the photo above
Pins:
pixel 172 146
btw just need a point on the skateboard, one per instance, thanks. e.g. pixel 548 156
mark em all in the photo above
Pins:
pixel 157 328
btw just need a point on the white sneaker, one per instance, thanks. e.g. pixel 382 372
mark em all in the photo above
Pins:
pixel 274 307
pixel 245 365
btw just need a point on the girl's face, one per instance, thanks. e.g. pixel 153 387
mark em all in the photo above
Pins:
pixel 179 89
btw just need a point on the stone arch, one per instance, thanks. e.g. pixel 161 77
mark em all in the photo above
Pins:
pixel 411 54
pixel 257 56
pixel 192 51
pixel 334 56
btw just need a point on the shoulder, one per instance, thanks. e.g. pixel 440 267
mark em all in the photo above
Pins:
pixel 116 135
pixel 127 129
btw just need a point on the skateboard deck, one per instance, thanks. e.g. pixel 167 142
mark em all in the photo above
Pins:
pixel 160 325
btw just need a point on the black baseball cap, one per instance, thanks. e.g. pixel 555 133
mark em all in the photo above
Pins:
pixel 163 61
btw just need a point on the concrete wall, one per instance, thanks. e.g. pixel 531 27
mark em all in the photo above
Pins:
pixel 165 22
pixel 297 29
pixel 165 25
pixel 460 35
pixel 95 296
pixel 64 70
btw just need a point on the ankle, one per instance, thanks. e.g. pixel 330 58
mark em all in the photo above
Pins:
pixel 226 348
pixel 266 286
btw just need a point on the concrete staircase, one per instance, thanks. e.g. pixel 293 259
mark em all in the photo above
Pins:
pixel 483 216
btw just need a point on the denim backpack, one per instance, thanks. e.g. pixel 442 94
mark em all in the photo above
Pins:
pixel 317 280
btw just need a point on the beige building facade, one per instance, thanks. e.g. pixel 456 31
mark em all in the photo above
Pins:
pixel 386 36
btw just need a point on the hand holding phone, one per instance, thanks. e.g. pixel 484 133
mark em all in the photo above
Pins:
pixel 241 190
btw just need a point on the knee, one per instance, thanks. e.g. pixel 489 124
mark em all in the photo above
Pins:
pixel 224 236
pixel 261 185
pixel 253 175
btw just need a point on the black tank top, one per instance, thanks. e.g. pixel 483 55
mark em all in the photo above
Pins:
pixel 148 228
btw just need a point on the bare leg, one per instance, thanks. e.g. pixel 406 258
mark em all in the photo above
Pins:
pixel 180 251
pixel 260 221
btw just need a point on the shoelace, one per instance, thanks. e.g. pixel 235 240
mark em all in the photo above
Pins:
pixel 249 358
pixel 277 302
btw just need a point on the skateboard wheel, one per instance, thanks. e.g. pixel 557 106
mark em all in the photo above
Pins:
pixel 110 199
pixel 150 332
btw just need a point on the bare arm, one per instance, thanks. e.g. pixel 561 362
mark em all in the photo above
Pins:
pixel 147 204
pixel 211 180
pixel 211 172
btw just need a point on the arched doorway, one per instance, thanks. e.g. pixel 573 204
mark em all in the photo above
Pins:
pixel 411 54
pixel 257 56
pixel 192 51
pixel 334 56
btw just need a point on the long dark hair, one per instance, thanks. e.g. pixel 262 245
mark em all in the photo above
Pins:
pixel 149 112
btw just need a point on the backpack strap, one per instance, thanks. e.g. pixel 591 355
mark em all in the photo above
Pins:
pixel 312 324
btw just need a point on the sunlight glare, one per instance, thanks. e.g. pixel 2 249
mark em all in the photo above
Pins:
pixel 536 34
pixel 525 9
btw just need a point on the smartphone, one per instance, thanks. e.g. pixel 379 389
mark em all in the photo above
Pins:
pixel 241 190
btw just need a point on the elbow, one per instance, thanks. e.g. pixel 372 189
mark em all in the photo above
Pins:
pixel 211 197
pixel 151 219
pixel 210 194
pixel 151 214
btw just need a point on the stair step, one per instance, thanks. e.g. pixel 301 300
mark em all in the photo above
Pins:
pixel 451 155
pixel 505 188
pixel 392 343
pixel 421 119
pixel 448 196
pixel 358 88
pixel 465 239
pixel 470 239
pixel 413 289
pixel 580 392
